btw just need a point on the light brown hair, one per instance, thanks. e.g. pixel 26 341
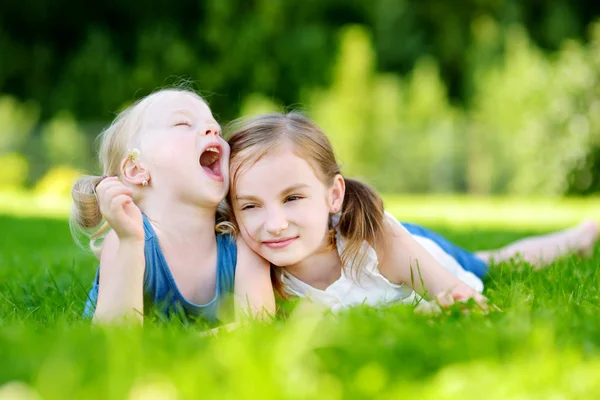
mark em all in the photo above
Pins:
pixel 362 212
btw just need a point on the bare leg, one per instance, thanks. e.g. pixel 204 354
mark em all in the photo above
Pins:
pixel 541 250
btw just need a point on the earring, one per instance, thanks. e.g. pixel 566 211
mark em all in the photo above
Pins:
pixel 144 182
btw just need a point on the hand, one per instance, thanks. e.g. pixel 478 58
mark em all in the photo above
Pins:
pixel 463 294
pixel 119 210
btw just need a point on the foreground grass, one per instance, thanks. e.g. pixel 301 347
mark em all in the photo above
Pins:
pixel 545 343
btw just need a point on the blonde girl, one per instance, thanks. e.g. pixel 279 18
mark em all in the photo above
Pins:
pixel 153 219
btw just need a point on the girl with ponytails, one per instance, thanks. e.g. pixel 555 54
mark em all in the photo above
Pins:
pixel 329 237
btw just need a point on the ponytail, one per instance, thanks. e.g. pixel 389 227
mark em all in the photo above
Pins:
pixel 85 216
pixel 361 221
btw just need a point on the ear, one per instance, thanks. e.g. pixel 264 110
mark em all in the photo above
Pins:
pixel 336 194
pixel 134 172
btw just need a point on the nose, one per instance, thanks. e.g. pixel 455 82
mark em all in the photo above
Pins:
pixel 276 222
pixel 213 130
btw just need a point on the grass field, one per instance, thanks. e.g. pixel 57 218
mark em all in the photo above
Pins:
pixel 544 345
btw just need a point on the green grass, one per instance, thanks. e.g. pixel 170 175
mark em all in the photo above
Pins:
pixel 545 344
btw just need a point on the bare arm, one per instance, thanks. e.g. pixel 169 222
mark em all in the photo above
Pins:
pixel 404 261
pixel 122 261
pixel 253 288
pixel 120 293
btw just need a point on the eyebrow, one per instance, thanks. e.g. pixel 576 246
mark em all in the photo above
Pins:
pixel 190 114
pixel 292 188
pixel 184 113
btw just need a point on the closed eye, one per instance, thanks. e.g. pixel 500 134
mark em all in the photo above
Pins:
pixel 293 197
pixel 247 207
pixel 183 123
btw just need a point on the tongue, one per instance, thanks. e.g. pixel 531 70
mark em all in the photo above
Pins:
pixel 208 158
pixel 213 169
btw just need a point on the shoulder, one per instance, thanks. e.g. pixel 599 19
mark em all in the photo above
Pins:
pixel 394 235
pixel 392 247
pixel 391 224
pixel 391 228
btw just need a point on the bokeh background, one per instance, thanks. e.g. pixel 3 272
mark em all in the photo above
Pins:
pixel 482 97
pixel 479 119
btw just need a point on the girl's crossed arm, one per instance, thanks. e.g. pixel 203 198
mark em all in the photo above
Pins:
pixel 253 290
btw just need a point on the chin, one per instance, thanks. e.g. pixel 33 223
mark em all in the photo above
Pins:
pixel 217 193
pixel 282 259
pixel 208 199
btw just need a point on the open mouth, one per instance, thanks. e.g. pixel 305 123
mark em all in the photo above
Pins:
pixel 210 161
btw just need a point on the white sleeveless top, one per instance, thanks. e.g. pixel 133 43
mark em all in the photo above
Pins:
pixel 372 288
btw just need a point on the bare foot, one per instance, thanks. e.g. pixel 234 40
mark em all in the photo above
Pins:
pixel 588 232
pixel 541 251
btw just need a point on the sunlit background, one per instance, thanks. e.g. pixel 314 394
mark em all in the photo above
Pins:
pixel 419 97
pixel 477 118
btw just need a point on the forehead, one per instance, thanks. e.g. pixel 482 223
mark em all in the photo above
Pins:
pixel 280 168
pixel 167 103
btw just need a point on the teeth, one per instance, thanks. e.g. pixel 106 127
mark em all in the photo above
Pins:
pixel 209 156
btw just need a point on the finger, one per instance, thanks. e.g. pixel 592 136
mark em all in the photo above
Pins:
pixel 118 209
pixel 479 301
pixel 105 199
pixel 129 206
pixel 482 302
pixel 113 191
pixel 428 308
pixel 496 308
pixel 118 188
pixel 459 296
pixel 120 200
pixel 483 306
pixel 106 181
pixel 445 299
pixel 108 192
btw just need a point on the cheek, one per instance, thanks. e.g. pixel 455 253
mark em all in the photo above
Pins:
pixel 248 231
pixel 314 216
pixel 173 147
pixel 226 150
pixel 248 224
pixel 225 155
pixel 253 244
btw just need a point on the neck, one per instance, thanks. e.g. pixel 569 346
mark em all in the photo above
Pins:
pixel 320 269
pixel 180 222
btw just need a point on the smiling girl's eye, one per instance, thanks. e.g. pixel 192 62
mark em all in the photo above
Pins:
pixel 183 123
pixel 247 207
pixel 293 197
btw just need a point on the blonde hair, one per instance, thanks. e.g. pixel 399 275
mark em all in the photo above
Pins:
pixel 362 213
pixel 115 143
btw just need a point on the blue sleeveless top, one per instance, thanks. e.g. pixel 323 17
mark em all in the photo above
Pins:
pixel 161 292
